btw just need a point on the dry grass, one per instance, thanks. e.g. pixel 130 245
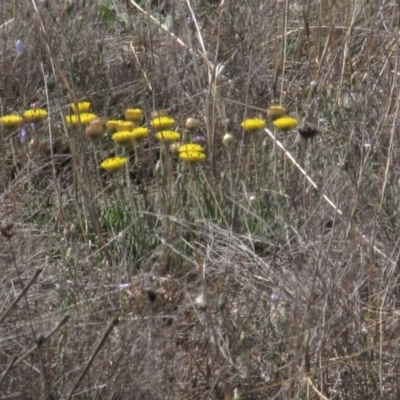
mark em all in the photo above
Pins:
pixel 269 271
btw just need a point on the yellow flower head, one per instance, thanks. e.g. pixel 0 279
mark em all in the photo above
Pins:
pixel 285 123
pixel 87 118
pixel 168 136
pixel 113 164
pixel 161 123
pixel 133 114
pixel 11 121
pixel 124 138
pixel 125 126
pixel 253 124
pixel 80 107
pixel 112 124
pixel 190 147
pixel 140 133
pixel 192 157
pixel 35 114
pixel 80 119
pixel 275 112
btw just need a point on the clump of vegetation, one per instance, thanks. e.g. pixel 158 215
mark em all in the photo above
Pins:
pixel 199 200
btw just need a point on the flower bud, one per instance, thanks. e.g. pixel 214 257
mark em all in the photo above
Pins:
pixel 236 394
pixel 228 125
pixel 23 135
pixel 95 131
pixel 33 144
pixel 242 338
pixel 192 124
pixel 20 47
pixel 221 304
pixel 227 140
pixel 158 167
pixel 199 139
pixel 275 112
pixel 331 90
pixel 201 301
pixel 173 148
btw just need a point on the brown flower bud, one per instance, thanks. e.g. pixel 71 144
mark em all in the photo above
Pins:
pixel 192 124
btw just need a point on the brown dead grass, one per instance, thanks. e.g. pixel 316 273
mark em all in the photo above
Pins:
pixel 300 283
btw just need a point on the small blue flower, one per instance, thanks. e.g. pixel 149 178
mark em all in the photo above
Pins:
pixel 199 139
pixel 23 135
pixel 20 47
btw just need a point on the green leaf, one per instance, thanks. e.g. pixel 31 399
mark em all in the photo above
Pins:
pixel 107 14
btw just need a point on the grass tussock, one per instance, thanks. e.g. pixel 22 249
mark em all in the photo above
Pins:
pixel 199 199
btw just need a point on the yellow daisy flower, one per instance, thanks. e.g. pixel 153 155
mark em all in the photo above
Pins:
pixel 275 112
pixel 11 121
pixel 112 125
pixel 35 115
pixel 140 133
pixel 87 118
pixel 80 119
pixel 189 147
pixel 285 123
pixel 192 157
pixel 133 114
pixel 72 119
pixel 113 164
pixel 253 124
pixel 168 136
pixel 125 126
pixel 80 107
pixel 161 123
pixel 124 138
